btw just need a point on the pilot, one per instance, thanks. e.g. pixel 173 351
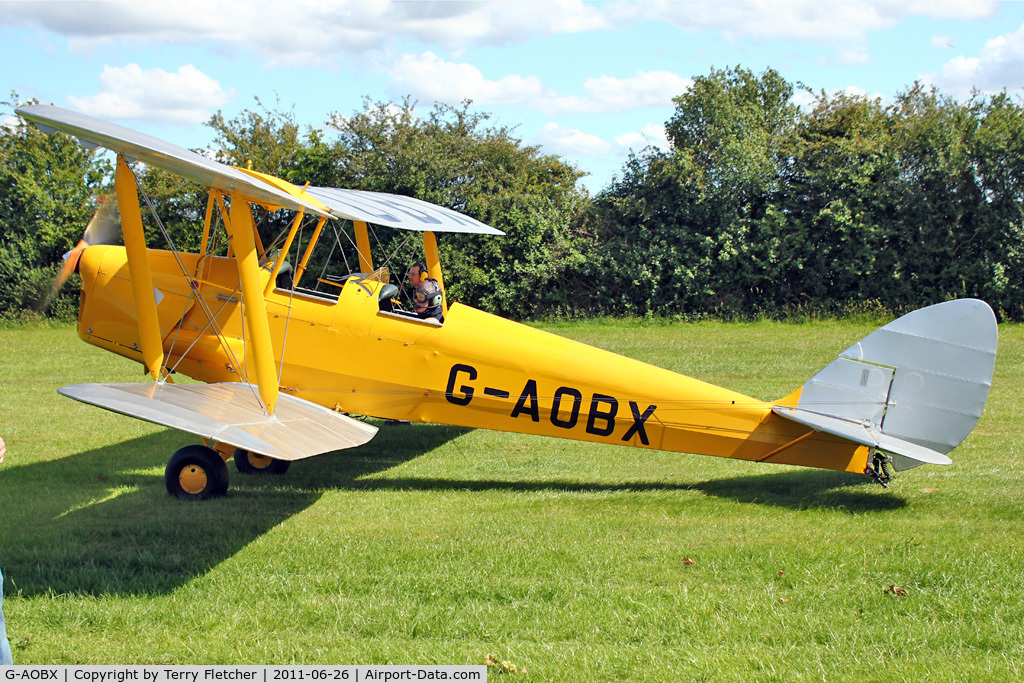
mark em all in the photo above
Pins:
pixel 426 300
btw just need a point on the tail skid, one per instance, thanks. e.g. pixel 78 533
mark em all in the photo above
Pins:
pixel 912 390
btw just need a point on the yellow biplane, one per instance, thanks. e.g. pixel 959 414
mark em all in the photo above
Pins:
pixel 290 343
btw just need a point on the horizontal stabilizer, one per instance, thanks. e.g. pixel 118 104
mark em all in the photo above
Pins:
pixel 859 432
pixel 230 413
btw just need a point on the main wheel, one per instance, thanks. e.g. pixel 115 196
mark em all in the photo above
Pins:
pixel 196 473
pixel 248 462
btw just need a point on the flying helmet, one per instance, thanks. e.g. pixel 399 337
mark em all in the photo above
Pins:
pixel 428 292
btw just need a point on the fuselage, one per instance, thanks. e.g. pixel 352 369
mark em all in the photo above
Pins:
pixel 340 350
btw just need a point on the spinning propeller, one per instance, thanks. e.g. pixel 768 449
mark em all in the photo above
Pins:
pixel 103 228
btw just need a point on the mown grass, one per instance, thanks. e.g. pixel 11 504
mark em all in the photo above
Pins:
pixel 577 562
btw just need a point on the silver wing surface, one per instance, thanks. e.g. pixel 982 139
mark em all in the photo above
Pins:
pixel 396 211
pixel 93 132
pixel 229 413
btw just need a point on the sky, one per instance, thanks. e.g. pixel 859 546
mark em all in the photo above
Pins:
pixel 587 81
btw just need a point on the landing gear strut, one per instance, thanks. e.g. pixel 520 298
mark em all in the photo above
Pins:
pixel 248 462
pixel 880 469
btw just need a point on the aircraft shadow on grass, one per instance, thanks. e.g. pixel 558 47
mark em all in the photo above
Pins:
pixel 807 489
pixel 100 522
pixel 798 490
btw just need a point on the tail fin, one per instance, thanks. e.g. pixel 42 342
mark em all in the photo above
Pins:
pixel 913 389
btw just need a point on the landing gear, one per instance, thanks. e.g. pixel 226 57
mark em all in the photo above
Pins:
pixel 196 472
pixel 248 462
pixel 881 469
pixel 199 472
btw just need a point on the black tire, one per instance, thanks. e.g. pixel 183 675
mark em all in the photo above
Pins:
pixel 254 463
pixel 196 472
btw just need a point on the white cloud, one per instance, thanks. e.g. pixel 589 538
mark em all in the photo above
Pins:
pixel 576 144
pixel 852 54
pixel 805 100
pixel 281 28
pixel 319 33
pixel 494 23
pixel 601 158
pixel 571 143
pixel 309 32
pixel 606 94
pixel 428 77
pixel 999 65
pixel 130 92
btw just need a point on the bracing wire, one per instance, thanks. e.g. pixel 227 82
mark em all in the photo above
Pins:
pixel 193 284
pixel 288 316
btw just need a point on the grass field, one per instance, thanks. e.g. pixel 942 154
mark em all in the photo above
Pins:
pixel 574 561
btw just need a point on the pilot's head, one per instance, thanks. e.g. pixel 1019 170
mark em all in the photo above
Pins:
pixel 416 273
pixel 427 295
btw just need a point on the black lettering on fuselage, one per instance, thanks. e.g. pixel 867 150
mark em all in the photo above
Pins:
pixel 529 394
pixel 467 391
pixel 597 415
pixel 638 423
pixel 600 417
pixel 574 412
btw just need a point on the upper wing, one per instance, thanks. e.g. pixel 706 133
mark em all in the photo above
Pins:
pixel 93 132
pixel 396 211
pixel 380 208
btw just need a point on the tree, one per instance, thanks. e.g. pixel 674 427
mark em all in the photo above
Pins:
pixel 695 229
pixel 998 158
pixel 760 208
pixel 49 188
pixel 838 196
pixel 733 126
pixel 757 208
pixel 265 140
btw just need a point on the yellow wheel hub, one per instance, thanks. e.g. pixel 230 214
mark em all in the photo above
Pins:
pixel 260 462
pixel 192 479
